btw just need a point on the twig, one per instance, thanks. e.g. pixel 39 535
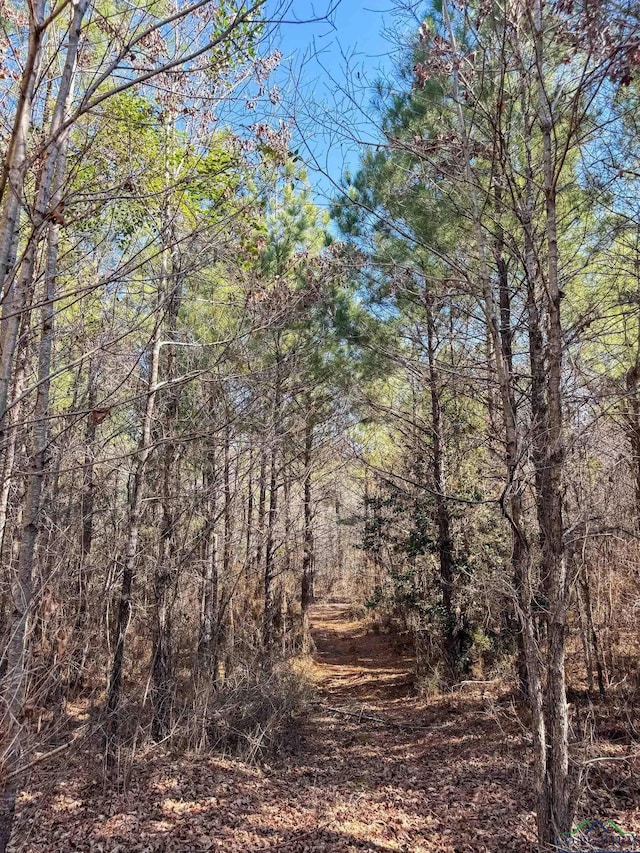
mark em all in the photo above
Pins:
pixel 360 715
pixel 40 758
pixel 612 758
pixel 465 683
pixel 369 717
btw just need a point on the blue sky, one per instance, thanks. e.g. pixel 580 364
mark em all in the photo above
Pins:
pixel 326 75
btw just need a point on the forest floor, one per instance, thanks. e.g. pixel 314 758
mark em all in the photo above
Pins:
pixel 375 768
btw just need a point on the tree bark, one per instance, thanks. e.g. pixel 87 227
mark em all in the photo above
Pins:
pixel 164 576
pixel 15 160
pixel 520 557
pixel 207 655
pixel 87 501
pixel 22 591
pixel 11 433
pixel 269 561
pixel 227 559
pixel 558 791
pixel 18 648
pixel 262 503
pixel 136 484
pixel 306 598
pixel 443 517
pixel 18 295
pixel 248 552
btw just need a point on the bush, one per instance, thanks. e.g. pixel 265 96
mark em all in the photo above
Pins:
pixel 256 712
pixel 356 612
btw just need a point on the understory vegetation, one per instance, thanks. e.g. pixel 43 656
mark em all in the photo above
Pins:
pixel 222 401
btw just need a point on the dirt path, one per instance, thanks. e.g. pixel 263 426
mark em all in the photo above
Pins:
pixel 399 774
pixel 411 775
pixel 354 665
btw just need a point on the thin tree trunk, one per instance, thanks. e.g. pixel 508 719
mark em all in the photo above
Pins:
pixel 594 642
pixel 18 648
pixel 559 791
pixel 14 166
pixel 308 553
pixel 632 420
pixel 443 518
pixel 207 656
pixel 19 294
pixel 164 576
pixel 586 639
pixel 340 562
pixel 11 435
pixel 86 535
pixel 519 543
pixel 137 479
pixel 262 503
pixel 269 561
pixel 227 564
pixel 248 558
pixel 286 562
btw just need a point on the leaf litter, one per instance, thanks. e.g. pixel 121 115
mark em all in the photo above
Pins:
pixel 376 769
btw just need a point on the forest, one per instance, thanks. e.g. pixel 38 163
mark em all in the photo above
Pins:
pixel 319 484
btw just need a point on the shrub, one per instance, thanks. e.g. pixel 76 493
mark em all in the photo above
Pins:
pixel 256 712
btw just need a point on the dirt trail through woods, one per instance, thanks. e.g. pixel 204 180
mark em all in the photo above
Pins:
pixel 354 665
pixel 375 769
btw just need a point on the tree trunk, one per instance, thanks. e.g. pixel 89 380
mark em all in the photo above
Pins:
pixel 87 502
pixel 11 433
pixel 227 564
pixel 632 423
pixel 262 503
pixel 558 794
pixel 443 518
pixel 137 479
pixel 594 642
pixel 164 577
pixel 248 553
pixel 18 648
pixel 207 656
pixel 269 561
pixel 15 160
pixel 519 544
pixel 18 295
pixel 308 553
